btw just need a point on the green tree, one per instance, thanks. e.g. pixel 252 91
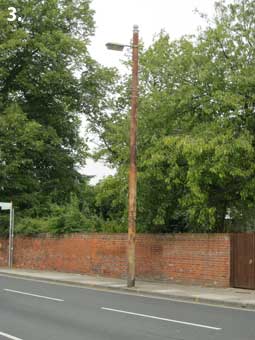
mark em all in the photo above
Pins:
pixel 46 78
pixel 196 125
pixel 111 199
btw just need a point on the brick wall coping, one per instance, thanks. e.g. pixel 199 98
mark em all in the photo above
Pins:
pixel 123 236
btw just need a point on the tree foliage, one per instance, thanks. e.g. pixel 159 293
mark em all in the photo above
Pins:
pixel 196 123
pixel 196 126
pixel 46 78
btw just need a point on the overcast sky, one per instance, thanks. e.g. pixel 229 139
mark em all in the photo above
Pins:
pixel 114 22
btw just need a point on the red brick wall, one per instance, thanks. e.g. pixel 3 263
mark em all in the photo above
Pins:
pixel 3 252
pixel 190 258
pixel 187 258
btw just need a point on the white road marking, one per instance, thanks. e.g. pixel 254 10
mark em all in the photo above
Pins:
pixel 163 319
pixel 9 336
pixel 35 295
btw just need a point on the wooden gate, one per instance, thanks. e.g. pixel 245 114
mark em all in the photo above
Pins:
pixel 243 260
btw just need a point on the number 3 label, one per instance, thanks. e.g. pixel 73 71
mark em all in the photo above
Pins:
pixel 12 14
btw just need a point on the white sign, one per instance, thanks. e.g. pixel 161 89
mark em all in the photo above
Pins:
pixel 5 206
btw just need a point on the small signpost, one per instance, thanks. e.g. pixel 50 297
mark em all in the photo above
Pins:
pixel 8 206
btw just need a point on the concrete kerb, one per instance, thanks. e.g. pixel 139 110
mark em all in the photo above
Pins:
pixel 139 292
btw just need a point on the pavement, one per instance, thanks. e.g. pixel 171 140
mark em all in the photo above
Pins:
pixel 230 297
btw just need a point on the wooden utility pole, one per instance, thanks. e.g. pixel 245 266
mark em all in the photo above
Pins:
pixel 132 170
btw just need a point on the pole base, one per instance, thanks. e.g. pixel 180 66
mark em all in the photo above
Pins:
pixel 130 283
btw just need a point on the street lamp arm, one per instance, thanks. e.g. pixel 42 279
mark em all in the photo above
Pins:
pixel 119 47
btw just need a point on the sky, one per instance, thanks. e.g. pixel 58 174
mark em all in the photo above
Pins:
pixel 114 23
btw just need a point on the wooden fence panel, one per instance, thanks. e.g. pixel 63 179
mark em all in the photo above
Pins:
pixel 243 260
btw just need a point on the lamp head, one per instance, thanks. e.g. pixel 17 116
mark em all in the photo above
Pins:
pixel 115 46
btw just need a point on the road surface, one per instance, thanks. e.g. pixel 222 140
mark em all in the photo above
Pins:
pixel 34 310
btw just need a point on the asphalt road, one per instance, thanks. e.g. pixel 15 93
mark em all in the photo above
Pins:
pixel 33 310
